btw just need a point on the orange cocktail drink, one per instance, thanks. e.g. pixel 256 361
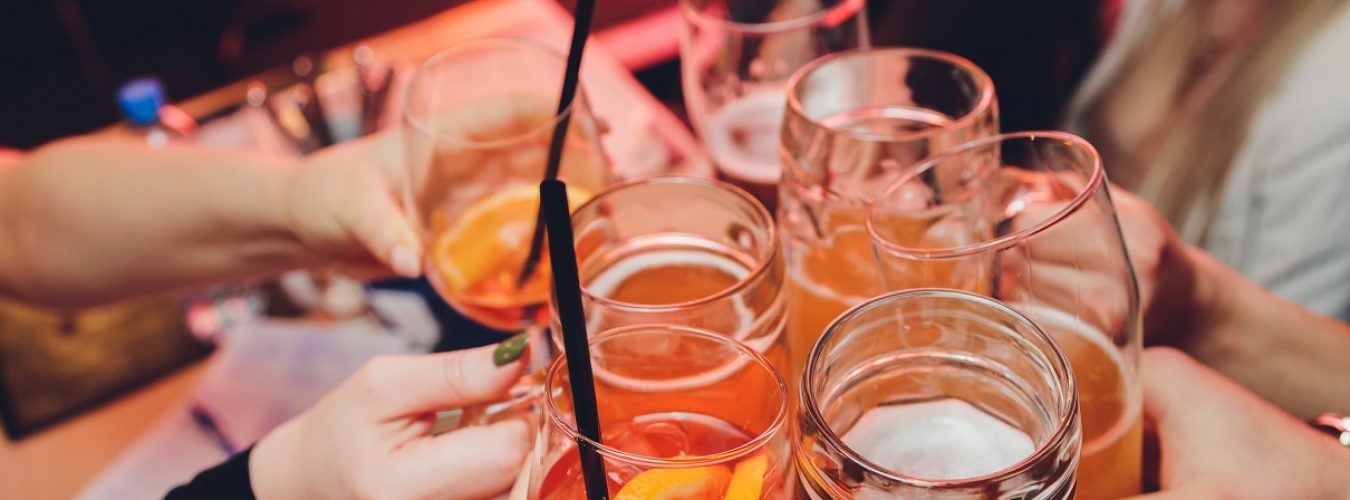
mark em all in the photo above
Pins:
pixel 682 251
pixel 684 413
pixel 476 151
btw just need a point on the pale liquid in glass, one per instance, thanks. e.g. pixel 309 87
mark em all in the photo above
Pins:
pixel 742 138
pixel 667 270
pixel 830 262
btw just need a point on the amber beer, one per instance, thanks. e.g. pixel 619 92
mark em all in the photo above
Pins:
pixel 1025 218
pixel 1113 430
pixel 845 135
pixel 682 251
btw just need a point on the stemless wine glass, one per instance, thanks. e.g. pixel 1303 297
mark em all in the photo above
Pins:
pixel 1027 218
pixel 478 119
pixel 682 251
pixel 735 59
pixel 854 120
pixel 938 394
pixel 684 413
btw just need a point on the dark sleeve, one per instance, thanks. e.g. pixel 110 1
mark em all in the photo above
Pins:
pixel 229 480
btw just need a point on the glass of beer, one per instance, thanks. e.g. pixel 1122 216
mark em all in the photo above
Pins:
pixel 941 394
pixel 682 251
pixel 1026 218
pixel 477 124
pixel 736 57
pixel 684 413
pixel 854 120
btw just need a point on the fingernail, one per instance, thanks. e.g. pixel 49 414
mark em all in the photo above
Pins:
pixel 510 350
pixel 405 262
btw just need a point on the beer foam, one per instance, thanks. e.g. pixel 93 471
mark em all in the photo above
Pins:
pixel 802 281
pixel 946 439
pixel 742 137
pixel 613 277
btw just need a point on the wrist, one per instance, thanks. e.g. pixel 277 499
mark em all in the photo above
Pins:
pixel 270 471
pixel 1211 307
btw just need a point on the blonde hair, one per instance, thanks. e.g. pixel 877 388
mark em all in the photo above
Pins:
pixel 1186 174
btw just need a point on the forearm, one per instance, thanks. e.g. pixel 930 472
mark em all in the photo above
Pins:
pixel 1293 357
pixel 85 220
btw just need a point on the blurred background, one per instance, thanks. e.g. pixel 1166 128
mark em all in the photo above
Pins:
pixel 64 59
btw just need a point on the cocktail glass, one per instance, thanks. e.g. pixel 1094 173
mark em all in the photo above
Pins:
pixel 684 413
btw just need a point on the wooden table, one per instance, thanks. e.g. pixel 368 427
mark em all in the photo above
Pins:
pixel 56 463
pixel 60 461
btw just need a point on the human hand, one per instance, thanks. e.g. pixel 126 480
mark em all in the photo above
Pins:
pixel 1176 292
pixel 342 204
pixel 371 437
pixel 1216 440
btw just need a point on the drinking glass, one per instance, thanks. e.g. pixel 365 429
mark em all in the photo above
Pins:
pixel 478 119
pixel 684 413
pixel 854 120
pixel 682 251
pixel 1027 218
pixel 735 59
pixel 940 394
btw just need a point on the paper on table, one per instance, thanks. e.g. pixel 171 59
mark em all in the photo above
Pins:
pixel 265 373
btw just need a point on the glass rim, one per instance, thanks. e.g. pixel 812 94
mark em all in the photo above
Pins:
pixel 984 82
pixel 1057 359
pixel 693 15
pixel 761 266
pixel 467 46
pixel 1096 182
pixel 554 415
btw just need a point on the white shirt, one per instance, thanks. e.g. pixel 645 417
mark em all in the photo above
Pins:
pixel 1284 213
pixel 1284 217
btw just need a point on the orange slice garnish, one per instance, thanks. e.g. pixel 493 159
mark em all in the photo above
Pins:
pixel 747 481
pixel 697 483
pixel 490 235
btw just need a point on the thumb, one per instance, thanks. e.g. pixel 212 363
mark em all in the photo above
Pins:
pixel 382 228
pixel 397 386
pixel 473 462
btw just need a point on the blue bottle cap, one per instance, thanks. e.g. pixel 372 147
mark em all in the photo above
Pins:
pixel 140 100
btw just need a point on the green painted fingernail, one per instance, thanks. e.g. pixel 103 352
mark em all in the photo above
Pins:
pixel 510 350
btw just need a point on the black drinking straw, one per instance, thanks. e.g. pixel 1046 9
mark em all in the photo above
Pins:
pixel 556 216
pixel 567 291
pixel 581 29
